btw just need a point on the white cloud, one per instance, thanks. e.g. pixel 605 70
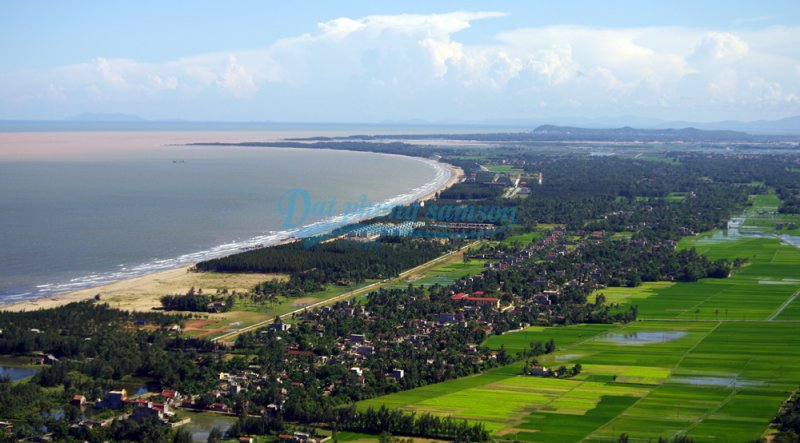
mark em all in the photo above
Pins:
pixel 439 26
pixel 719 47
pixel 555 64
pixel 340 26
pixel 419 66
pixel 237 79
pixel 442 53
pixel 158 83
pixel 56 92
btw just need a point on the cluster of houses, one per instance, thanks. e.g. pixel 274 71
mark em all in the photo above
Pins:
pixel 142 409
pixel 550 284
pixel 355 348
pixel 301 437
pixel 477 298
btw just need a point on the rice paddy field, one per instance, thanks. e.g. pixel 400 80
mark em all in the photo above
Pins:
pixel 761 290
pixel 712 360
pixel 763 214
pixel 714 381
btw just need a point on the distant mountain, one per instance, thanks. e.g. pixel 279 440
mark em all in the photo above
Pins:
pixel 553 133
pixel 104 118
pixel 628 134
pixel 788 125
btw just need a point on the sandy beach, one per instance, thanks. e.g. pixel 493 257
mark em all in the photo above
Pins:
pixel 456 175
pixel 143 293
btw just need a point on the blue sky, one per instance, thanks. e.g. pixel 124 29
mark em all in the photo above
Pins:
pixel 372 61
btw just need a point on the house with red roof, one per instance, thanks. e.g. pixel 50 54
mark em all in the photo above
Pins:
pixel 458 296
pixel 484 301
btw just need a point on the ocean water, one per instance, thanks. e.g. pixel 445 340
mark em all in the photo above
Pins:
pixel 103 214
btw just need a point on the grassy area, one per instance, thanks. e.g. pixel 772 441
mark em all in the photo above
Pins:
pixel 667 160
pixel 288 304
pixel 444 274
pixel 756 292
pixel 523 239
pixel 648 379
pixel 706 361
pixel 548 226
pixel 701 398
pixel 564 337
pixel 753 293
pixel 622 235
pixel 357 437
pixel 504 169
pixel 763 214
pixel 676 196
pixel 625 295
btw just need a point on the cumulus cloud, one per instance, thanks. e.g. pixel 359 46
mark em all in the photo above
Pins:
pixel 556 64
pixel 167 83
pixel 237 79
pixel 419 66
pixel 721 46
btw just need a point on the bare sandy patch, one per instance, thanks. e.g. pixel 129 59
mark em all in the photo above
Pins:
pixel 144 293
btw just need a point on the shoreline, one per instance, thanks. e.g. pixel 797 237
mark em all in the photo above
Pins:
pixel 143 292
pixel 456 176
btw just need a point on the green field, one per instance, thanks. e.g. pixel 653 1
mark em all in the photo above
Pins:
pixel 504 169
pixel 522 239
pixel 625 295
pixel 445 274
pixel 676 196
pixel 763 214
pixel 713 359
pixel 648 379
pixel 756 292
pixel 519 341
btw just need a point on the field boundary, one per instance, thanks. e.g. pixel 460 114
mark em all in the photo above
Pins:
pixel 784 306
pixel 711 320
pixel 683 357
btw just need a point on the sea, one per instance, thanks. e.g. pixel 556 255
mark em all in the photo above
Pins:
pixel 83 205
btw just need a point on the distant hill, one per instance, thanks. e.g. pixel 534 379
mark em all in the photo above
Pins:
pixel 553 133
pixel 788 125
pixel 104 118
pixel 628 134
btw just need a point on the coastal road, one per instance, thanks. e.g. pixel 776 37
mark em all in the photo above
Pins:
pixel 349 294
